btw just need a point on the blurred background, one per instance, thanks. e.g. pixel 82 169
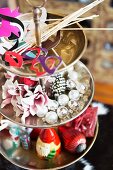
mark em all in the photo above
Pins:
pixel 99 54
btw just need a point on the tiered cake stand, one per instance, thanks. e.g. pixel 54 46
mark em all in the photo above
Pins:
pixel 28 159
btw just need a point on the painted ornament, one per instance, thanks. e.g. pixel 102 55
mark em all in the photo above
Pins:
pixel 72 140
pixel 14 132
pixel 48 144
pixel 25 140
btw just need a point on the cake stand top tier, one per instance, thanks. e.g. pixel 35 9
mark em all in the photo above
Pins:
pixel 68 44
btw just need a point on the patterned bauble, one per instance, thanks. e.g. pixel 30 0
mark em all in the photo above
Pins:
pixel 59 85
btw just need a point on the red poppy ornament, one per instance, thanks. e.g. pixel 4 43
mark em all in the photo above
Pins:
pixel 72 140
pixel 48 144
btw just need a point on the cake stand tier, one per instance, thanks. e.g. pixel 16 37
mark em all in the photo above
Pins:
pixel 70 45
pixel 28 159
pixel 35 121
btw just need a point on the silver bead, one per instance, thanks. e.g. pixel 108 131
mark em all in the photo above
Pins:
pixel 70 84
pixel 72 104
pixel 42 111
pixel 53 105
pixel 51 117
pixel 63 100
pixel 74 95
pixel 62 112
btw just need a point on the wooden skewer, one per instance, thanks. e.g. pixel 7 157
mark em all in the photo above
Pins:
pixel 82 19
pixel 89 29
pixel 70 18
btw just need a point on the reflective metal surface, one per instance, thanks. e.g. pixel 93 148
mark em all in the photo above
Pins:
pixel 28 159
pixel 34 121
pixel 71 47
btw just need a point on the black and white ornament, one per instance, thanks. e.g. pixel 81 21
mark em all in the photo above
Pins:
pixel 59 85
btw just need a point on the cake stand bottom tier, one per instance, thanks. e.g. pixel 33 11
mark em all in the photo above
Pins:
pixel 28 159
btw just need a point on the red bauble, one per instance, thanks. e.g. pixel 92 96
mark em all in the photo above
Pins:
pixel 71 139
pixel 35 133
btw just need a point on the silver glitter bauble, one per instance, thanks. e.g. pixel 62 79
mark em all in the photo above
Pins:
pixel 70 84
pixel 72 104
pixel 42 111
pixel 51 117
pixel 63 100
pixel 62 112
pixel 53 105
pixel 74 95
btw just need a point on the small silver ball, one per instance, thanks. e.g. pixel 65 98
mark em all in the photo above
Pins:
pixel 51 117
pixel 62 112
pixel 74 95
pixel 42 111
pixel 63 99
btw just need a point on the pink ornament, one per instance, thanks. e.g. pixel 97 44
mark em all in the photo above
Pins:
pixel 86 123
pixel 6 28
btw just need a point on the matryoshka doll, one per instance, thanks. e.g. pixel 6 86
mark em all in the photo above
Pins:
pixel 48 144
